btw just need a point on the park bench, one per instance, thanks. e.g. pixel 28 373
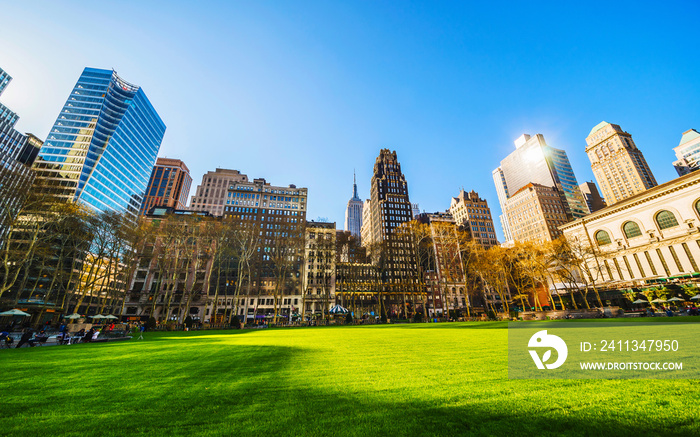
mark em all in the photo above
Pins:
pixel 40 341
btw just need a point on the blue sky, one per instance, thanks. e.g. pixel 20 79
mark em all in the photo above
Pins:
pixel 304 92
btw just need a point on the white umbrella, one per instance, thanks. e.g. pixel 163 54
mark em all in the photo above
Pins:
pixel 640 301
pixel 109 316
pixel 696 297
pixel 658 301
pixel 676 299
pixel 74 316
pixel 338 310
pixel 14 312
pixel 99 316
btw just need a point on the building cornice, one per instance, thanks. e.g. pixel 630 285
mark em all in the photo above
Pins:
pixel 643 197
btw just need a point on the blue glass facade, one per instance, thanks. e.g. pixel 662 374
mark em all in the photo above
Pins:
pixel 11 141
pixel 4 80
pixel 534 161
pixel 565 175
pixel 102 148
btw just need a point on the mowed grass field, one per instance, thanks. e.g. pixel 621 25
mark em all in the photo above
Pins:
pixel 422 379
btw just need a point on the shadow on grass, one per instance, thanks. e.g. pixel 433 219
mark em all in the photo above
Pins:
pixel 268 390
pixel 333 414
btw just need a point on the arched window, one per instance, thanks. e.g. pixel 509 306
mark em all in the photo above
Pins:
pixel 631 230
pixel 697 206
pixel 666 219
pixel 602 238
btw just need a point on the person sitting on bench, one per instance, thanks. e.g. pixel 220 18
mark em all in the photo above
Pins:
pixel 6 339
pixel 41 338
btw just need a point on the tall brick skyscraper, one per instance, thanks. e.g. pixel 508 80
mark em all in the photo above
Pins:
pixel 169 185
pixel 391 208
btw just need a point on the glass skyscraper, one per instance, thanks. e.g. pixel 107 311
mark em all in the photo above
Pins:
pixel 102 148
pixel 4 80
pixel 17 152
pixel 533 161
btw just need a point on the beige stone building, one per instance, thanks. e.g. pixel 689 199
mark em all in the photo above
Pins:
pixel 473 212
pixel 211 193
pixel 319 278
pixel 535 212
pixel 651 235
pixel 618 165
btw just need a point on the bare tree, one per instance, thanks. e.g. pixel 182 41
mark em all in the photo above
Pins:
pixel 579 253
pixel 23 233
pixel 421 245
pixel 321 254
pixel 528 258
pixel 469 251
pixel 102 257
pixel 284 252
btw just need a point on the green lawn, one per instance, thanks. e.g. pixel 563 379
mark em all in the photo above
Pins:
pixel 427 379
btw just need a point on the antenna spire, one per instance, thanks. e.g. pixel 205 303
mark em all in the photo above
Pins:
pixel 354 186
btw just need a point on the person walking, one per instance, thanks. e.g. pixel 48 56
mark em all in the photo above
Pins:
pixel 141 329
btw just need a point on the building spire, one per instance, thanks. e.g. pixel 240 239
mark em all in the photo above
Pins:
pixel 354 186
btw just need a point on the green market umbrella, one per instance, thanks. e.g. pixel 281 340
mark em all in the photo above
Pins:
pixel 640 301
pixel 99 316
pixel 15 312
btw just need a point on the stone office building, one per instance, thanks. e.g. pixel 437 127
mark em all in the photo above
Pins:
pixel 474 214
pixel 279 214
pixel 320 274
pixel 618 165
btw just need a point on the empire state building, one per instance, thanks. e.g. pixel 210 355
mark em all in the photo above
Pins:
pixel 353 214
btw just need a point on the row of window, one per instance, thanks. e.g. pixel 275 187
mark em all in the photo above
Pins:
pixel 664 220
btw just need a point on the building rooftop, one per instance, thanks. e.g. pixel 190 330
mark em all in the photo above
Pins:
pixel 314 224
pixel 598 127
pixel 162 161
pixel 689 136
